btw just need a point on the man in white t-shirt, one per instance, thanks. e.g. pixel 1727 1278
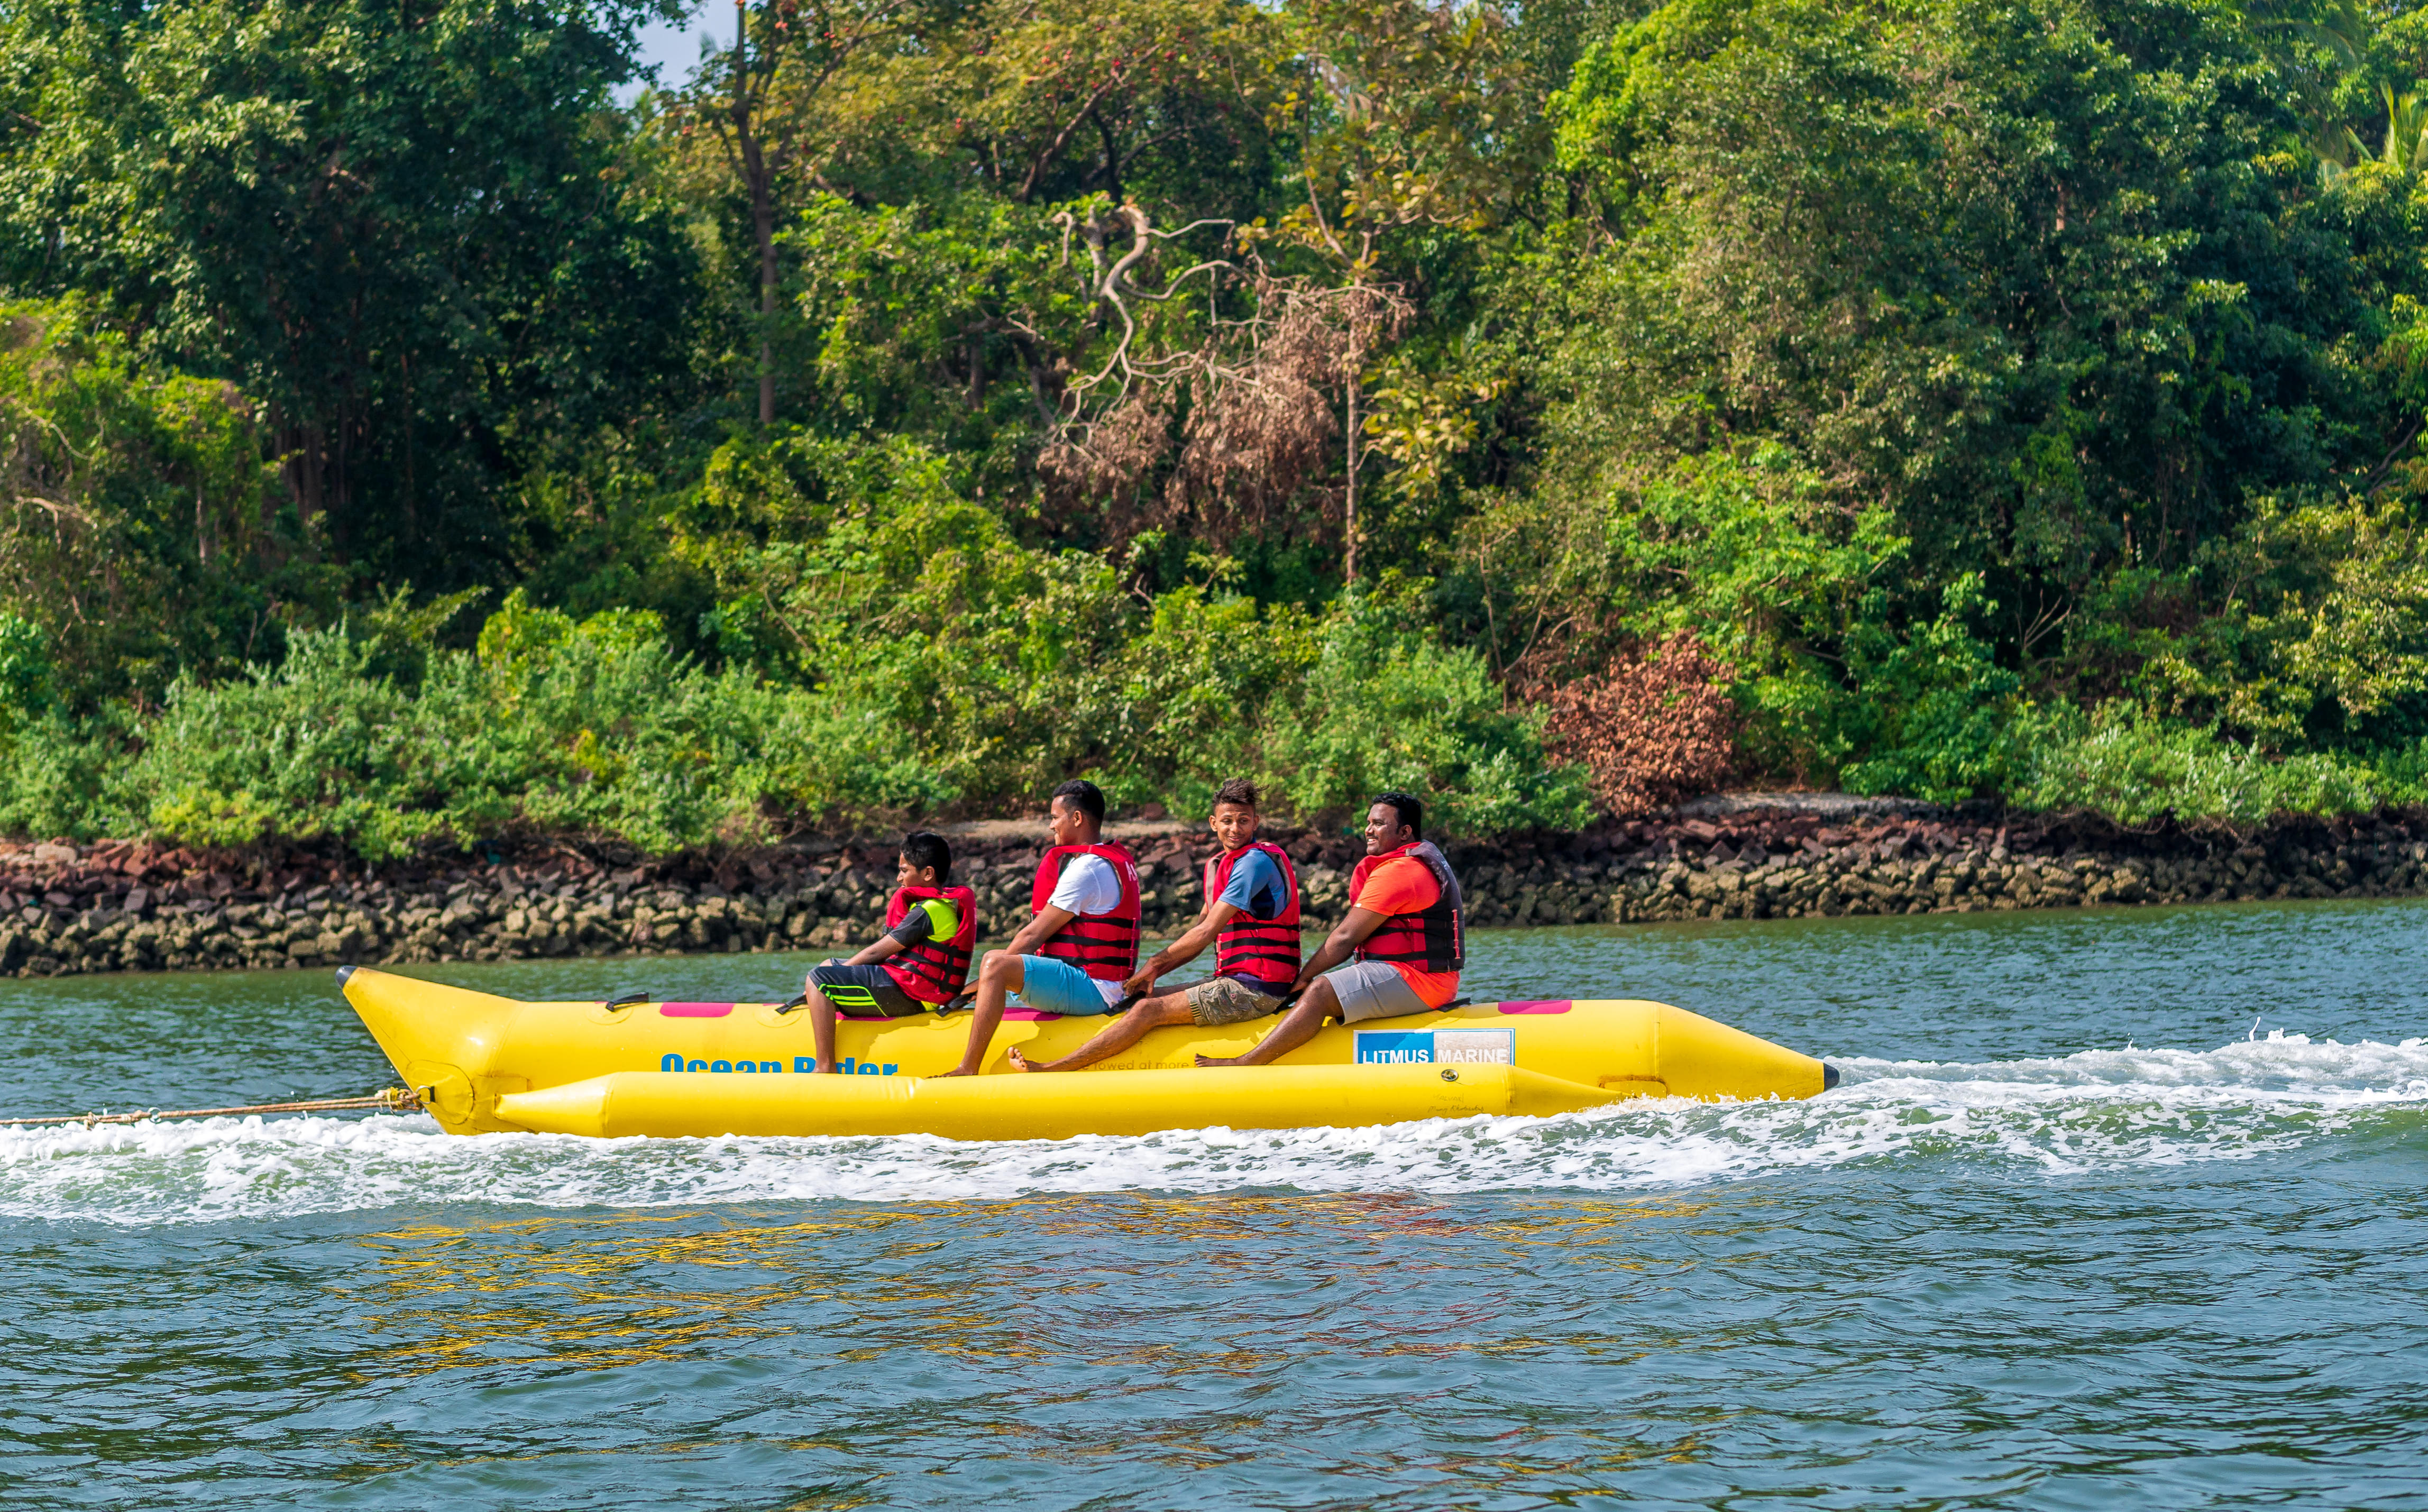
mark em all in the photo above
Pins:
pixel 1072 958
pixel 1087 885
pixel 1251 918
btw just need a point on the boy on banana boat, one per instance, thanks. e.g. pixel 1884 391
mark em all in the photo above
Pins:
pixel 1081 943
pixel 1250 917
pixel 917 966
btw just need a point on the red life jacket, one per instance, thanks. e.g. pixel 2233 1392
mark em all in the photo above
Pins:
pixel 1105 945
pixel 1265 950
pixel 1432 939
pixel 933 971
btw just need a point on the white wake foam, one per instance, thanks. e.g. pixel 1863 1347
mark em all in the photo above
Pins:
pixel 2281 1062
pixel 2093 1111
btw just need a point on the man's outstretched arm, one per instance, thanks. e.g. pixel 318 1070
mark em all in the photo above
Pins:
pixel 1316 998
pixel 1354 929
pixel 1046 926
pixel 1182 951
pixel 999 976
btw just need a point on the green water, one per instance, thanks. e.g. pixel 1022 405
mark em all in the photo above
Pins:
pixel 2113 1208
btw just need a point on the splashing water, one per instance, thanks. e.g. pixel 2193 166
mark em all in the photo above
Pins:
pixel 2091 1111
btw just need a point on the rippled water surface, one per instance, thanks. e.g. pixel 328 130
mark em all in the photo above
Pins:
pixel 2118 1209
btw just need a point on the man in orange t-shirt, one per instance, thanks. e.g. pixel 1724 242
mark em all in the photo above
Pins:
pixel 1406 925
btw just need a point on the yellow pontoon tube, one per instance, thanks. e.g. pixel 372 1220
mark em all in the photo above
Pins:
pixel 484 1063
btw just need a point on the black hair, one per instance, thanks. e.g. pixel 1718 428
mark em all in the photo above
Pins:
pixel 925 848
pixel 1085 795
pixel 1411 812
pixel 1238 790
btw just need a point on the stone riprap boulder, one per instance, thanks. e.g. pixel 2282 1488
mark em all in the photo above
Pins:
pixel 126 906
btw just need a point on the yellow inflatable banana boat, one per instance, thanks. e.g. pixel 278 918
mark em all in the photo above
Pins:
pixel 484 1063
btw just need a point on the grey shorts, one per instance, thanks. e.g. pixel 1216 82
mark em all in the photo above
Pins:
pixel 1220 1000
pixel 1374 989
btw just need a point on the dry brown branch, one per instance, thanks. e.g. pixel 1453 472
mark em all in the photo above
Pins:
pixel 1651 727
pixel 1260 428
pixel 1113 457
pixel 1255 397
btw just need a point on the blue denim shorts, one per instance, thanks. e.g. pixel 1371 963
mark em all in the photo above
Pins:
pixel 1051 986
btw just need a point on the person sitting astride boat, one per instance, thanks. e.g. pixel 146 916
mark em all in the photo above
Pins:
pixel 1407 925
pixel 1073 957
pixel 918 966
pixel 1251 918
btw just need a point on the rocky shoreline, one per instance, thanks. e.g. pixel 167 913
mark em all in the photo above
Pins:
pixel 127 906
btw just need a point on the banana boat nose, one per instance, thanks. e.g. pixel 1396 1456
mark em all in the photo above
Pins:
pixel 1828 1076
pixel 443 1041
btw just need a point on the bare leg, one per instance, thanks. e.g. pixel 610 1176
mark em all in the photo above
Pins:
pixel 1123 1032
pixel 999 974
pixel 1297 1026
pixel 822 1031
pixel 822 1022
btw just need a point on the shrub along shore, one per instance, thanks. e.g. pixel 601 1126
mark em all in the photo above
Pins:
pixel 127 906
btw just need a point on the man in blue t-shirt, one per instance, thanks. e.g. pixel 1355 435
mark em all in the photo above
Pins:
pixel 1255 911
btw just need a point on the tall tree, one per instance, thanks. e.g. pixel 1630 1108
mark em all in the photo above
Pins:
pixel 769 106
pixel 2040 297
pixel 406 229
pixel 1417 117
pixel 891 102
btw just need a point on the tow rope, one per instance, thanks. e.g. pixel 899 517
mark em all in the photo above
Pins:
pixel 394 1100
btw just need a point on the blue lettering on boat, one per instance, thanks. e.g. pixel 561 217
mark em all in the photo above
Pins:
pixel 802 1065
pixel 1425 1047
pixel 852 1067
pixel 673 1060
pixel 1395 1047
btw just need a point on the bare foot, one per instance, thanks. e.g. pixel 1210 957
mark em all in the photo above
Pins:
pixel 1221 1060
pixel 1020 1063
pixel 957 1071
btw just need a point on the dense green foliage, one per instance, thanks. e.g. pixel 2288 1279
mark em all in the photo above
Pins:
pixel 401 231
pixel 552 725
pixel 406 441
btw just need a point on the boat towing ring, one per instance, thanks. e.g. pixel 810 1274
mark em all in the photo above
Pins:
pixel 1448 1074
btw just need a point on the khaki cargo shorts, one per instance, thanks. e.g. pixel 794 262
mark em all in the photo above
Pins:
pixel 1220 1000
pixel 1374 989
